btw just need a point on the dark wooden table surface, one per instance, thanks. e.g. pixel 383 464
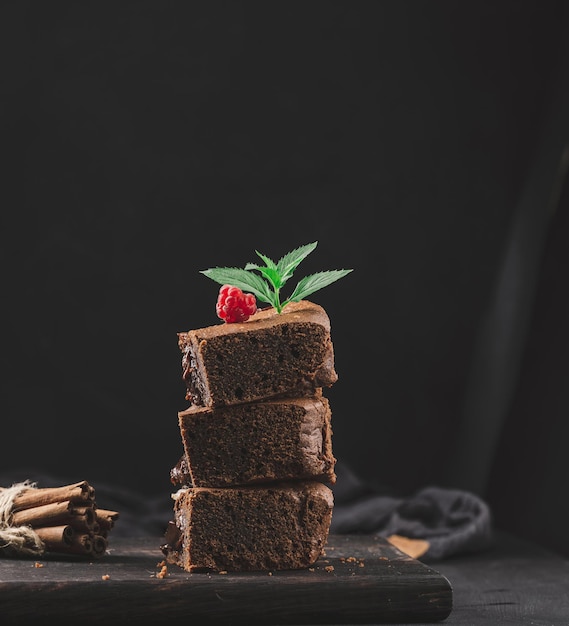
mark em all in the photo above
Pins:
pixel 360 580
pixel 515 582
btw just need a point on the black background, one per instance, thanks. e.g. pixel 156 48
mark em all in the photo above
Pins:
pixel 144 141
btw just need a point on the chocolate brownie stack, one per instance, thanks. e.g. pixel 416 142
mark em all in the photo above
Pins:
pixel 252 484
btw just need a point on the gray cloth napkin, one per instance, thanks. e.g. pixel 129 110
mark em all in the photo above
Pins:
pixel 451 520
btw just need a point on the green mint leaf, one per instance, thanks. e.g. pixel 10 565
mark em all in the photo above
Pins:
pixel 290 261
pixel 268 262
pixel 270 273
pixel 246 281
pixel 315 282
pixel 272 276
pixel 266 286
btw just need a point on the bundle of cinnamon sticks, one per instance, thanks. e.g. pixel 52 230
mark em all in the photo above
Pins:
pixel 66 519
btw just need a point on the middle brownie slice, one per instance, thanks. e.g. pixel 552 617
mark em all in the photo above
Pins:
pixel 259 442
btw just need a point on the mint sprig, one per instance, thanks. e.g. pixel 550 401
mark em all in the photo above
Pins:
pixel 267 284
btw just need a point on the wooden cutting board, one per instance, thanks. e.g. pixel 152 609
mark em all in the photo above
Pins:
pixel 361 579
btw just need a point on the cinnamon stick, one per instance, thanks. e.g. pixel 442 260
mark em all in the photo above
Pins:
pixel 55 537
pixel 106 518
pixel 82 522
pixel 100 545
pixel 34 497
pixel 78 544
pixel 65 540
pixel 53 514
pixel 65 519
pixel 83 517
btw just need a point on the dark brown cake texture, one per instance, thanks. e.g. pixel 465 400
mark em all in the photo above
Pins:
pixel 270 355
pixel 251 492
pixel 276 527
pixel 259 442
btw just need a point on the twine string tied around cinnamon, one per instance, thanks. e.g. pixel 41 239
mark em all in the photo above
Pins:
pixel 20 539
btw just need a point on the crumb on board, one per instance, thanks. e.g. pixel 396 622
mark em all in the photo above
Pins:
pixel 223 571
pixel 353 559
pixel 36 564
pixel 105 577
pixel 329 568
pixel 163 572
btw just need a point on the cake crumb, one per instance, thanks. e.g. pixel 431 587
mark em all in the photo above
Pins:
pixel 329 568
pixel 163 572
pixel 311 569
pixel 36 564
pixel 105 577
pixel 223 571
pixel 270 573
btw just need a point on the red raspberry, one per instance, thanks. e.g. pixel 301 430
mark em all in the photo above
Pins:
pixel 233 305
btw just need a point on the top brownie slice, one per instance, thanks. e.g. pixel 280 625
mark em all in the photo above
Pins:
pixel 270 355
